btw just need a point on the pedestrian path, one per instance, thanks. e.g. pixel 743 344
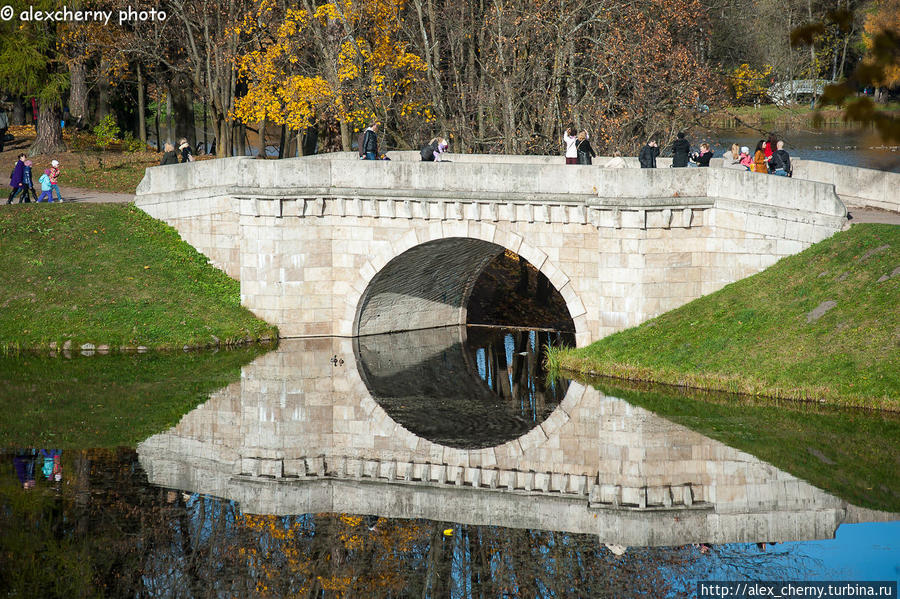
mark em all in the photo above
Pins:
pixel 75 194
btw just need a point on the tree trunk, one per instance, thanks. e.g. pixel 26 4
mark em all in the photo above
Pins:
pixel 183 110
pixel 141 107
pixel 78 94
pixel 102 108
pixel 49 133
pixel 345 135
pixel 18 115
pixel 170 125
pixel 261 152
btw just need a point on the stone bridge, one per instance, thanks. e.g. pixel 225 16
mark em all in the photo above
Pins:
pixel 333 246
pixel 301 434
pixel 785 91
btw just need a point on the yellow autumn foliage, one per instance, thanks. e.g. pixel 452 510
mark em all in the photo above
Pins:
pixel 342 59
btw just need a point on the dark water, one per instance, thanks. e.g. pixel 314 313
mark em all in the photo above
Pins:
pixel 102 529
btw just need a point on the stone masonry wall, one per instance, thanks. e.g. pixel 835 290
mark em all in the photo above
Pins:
pixel 620 245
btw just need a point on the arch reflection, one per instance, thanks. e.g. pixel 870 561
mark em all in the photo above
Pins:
pixel 464 387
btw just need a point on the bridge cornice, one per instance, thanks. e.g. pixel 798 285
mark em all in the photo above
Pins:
pixel 639 213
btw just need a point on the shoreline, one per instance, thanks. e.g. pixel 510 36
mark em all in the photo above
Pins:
pixel 708 382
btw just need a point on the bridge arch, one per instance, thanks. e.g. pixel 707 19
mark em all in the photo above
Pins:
pixel 397 288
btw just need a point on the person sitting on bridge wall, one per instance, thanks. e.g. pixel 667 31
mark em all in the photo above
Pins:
pixel 616 161
pixel 732 158
pixel 648 154
pixel 434 149
pixel 681 149
pixel 759 158
pixel 780 163
pixel 769 147
pixel 746 160
pixel 702 157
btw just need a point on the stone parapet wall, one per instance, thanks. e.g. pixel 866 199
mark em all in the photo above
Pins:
pixel 857 186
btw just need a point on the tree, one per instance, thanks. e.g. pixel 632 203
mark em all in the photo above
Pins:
pixel 881 66
pixel 32 66
pixel 340 59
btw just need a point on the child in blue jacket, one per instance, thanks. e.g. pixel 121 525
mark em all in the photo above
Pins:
pixel 45 186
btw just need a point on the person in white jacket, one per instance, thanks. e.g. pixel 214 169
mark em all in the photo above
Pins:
pixel 571 138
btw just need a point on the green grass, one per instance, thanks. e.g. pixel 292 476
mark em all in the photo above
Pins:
pixel 753 336
pixel 769 113
pixel 109 274
pixel 107 401
pixel 849 453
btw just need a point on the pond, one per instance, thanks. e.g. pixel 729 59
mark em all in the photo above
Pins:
pixel 438 463
pixel 851 147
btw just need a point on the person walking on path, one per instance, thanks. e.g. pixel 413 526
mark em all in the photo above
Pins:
pixel 29 183
pixel 54 176
pixel 17 180
pixel 648 154
pixel 370 142
pixel 45 187
pixel 570 139
pixel 185 148
pixel 583 149
pixel 780 163
pixel 4 126
pixel 169 155
pixel 681 149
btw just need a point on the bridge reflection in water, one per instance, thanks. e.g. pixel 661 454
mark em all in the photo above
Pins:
pixel 451 424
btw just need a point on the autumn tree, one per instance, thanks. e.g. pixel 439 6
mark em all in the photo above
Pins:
pixel 340 59
pixel 880 67
pixel 32 66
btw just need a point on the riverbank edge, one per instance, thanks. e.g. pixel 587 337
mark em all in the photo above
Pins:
pixel 69 349
pixel 562 361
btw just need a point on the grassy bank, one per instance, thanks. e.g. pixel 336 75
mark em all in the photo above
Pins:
pixel 849 453
pixel 107 401
pixel 792 115
pixel 109 274
pixel 758 336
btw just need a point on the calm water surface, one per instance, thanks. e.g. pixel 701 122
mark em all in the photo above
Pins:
pixel 300 479
pixel 851 147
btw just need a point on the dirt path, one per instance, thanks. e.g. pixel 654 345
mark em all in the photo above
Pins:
pixel 872 215
pixel 74 194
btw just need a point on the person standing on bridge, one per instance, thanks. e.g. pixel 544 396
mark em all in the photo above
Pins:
pixel 648 154
pixel 780 162
pixel 370 142
pixel 570 139
pixel 583 149
pixel 681 149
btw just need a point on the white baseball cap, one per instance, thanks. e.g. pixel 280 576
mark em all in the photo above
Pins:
pixel 745 150
pixel 54 163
